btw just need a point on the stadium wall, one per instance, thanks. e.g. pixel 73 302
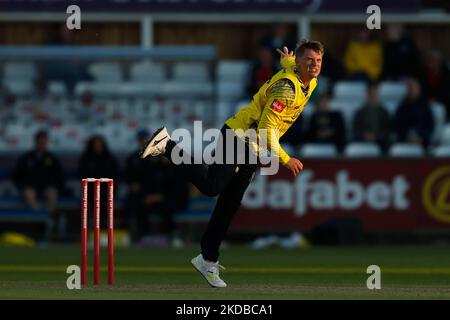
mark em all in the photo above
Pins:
pixel 237 40
pixel 383 195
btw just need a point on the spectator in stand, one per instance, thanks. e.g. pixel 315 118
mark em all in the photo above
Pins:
pixel 401 58
pixel 39 174
pixel 98 162
pixel 296 134
pixel 263 69
pixel 154 189
pixel 372 122
pixel 364 57
pixel 279 37
pixel 436 79
pixel 327 126
pixel 413 121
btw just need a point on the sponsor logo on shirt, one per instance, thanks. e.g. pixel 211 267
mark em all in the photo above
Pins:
pixel 277 106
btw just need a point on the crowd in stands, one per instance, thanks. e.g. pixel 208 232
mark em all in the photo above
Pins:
pixel 39 174
pixel 154 189
pixel 370 61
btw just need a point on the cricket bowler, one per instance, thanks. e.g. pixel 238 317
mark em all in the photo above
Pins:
pixel 274 108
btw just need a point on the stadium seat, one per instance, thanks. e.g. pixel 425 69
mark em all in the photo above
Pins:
pixel 182 88
pixel 62 144
pixel 317 150
pixel 68 138
pixel 233 70
pixel 12 129
pixel 348 109
pixel 98 88
pixel 177 109
pixel 141 89
pixel 201 108
pixel 118 137
pixel 146 71
pixel 230 91
pixel 344 106
pixel 362 150
pixel 391 94
pixel 439 115
pixel 393 91
pixel 57 88
pixel 19 88
pixel 391 106
pixel 445 135
pixel 20 71
pixel 109 72
pixel 19 137
pixel 224 110
pixel 350 91
pixel 141 108
pixel 441 152
pixel 192 72
pixel 406 150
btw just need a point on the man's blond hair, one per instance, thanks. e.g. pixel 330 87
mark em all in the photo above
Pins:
pixel 307 44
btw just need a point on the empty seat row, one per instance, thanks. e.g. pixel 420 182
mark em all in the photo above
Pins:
pixel 130 89
pixel 146 76
pixel 144 71
pixel 233 71
pixel 19 71
pixel 27 88
pixel 356 92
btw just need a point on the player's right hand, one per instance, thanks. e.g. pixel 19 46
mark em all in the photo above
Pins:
pixel 294 165
pixel 285 53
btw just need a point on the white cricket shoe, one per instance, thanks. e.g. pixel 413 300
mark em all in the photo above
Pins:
pixel 209 270
pixel 157 143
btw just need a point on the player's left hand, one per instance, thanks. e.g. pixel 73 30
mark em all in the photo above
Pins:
pixel 294 165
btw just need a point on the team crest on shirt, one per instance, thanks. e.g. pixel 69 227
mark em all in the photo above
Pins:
pixel 277 106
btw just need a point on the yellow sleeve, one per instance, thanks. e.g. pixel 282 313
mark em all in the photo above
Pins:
pixel 287 62
pixel 281 92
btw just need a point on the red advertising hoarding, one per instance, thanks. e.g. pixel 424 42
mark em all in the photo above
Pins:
pixel 385 194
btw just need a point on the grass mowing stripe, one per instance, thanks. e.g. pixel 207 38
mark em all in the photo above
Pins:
pixel 43 268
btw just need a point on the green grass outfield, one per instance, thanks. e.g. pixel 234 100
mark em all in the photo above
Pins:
pixel 408 272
